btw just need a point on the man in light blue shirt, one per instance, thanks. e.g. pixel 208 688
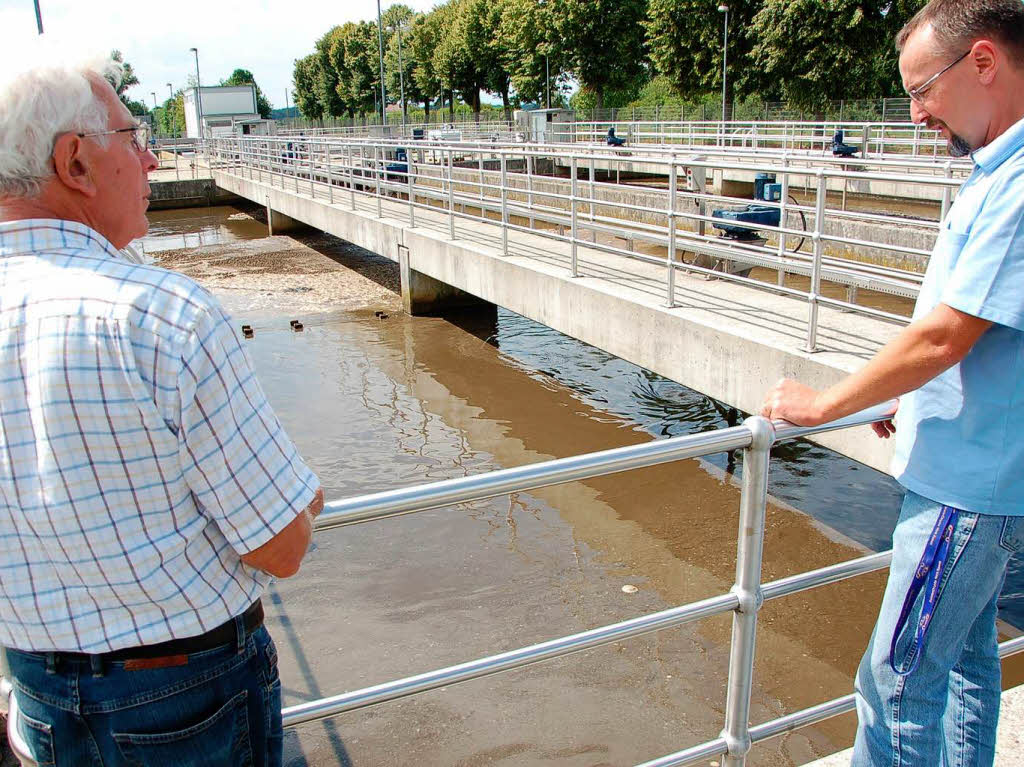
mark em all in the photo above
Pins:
pixel 929 685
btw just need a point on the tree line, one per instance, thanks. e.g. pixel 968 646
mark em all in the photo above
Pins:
pixel 806 52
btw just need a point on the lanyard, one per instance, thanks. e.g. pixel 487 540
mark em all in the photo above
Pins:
pixel 930 568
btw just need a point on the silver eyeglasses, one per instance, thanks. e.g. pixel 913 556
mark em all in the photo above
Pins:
pixel 917 94
pixel 140 135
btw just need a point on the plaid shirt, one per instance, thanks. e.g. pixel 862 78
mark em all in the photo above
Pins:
pixel 139 457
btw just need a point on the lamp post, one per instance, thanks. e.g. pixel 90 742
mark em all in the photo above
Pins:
pixel 723 8
pixel 401 72
pixel 153 94
pixel 39 18
pixel 547 78
pixel 380 50
pixel 168 123
pixel 199 95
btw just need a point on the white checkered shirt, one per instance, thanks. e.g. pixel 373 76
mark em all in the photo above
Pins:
pixel 139 457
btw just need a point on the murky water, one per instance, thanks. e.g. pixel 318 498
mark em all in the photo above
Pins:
pixel 382 403
pixel 194 227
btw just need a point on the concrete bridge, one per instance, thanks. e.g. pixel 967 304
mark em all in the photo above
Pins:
pixel 461 243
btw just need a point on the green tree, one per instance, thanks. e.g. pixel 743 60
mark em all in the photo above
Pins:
pixel 820 51
pixel 128 80
pixel 244 77
pixel 685 39
pixel 602 43
pixel 453 60
pixel 304 88
pixel 354 58
pixel 325 76
pixel 529 49
pixel 398 78
pixel 423 40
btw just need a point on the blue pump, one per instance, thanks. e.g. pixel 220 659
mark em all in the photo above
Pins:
pixel 765 190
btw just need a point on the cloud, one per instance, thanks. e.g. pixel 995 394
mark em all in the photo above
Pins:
pixel 263 37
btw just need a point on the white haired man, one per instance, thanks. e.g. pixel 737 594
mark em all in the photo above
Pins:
pixel 147 493
pixel 928 687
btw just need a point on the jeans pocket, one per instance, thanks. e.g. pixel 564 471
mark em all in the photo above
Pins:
pixel 1011 537
pixel 219 740
pixel 37 738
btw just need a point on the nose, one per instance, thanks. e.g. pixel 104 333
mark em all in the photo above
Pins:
pixel 149 161
pixel 918 114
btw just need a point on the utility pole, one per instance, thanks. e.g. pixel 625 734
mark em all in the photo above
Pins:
pixel 723 8
pixel 199 96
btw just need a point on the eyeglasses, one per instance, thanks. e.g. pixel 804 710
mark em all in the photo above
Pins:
pixel 140 135
pixel 917 94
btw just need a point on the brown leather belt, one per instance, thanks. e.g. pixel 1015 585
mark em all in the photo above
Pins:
pixel 224 634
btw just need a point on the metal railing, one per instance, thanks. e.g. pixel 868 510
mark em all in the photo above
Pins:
pixel 501 185
pixel 755 438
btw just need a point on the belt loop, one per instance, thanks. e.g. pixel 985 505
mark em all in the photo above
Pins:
pixel 240 633
pixel 51 662
pixel 96 661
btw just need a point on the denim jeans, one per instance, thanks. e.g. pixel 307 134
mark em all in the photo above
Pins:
pixel 222 708
pixel 945 712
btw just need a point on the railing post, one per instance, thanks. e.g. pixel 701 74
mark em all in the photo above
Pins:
pixel 504 205
pixel 451 194
pixel 947 192
pixel 529 186
pixel 593 231
pixel 330 173
pixel 782 217
pixel 819 244
pixel 670 299
pixel 411 193
pixel 747 589
pixel 572 206
pixel 378 169
pixel 351 176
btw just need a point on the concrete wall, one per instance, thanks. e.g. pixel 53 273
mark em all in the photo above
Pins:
pixel 696 352
pixel 190 193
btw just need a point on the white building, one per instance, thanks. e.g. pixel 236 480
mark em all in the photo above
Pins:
pixel 221 106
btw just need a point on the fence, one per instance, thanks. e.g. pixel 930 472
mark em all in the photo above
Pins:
pixel 440 183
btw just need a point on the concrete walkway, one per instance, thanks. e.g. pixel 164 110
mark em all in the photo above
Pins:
pixel 1009 737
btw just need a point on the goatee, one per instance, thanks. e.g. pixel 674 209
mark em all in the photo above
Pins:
pixel 958 146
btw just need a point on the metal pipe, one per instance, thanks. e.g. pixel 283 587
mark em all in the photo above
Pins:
pixel 451 196
pixel 370 696
pixel 812 298
pixel 672 184
pixel 391 503
pixel 572 204
pixel 753 503
pixel 504 205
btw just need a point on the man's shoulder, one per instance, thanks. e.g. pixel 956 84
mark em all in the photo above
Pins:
pixel 88 281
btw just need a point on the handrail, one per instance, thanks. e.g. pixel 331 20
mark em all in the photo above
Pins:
pixel 429 181
pixel 755 436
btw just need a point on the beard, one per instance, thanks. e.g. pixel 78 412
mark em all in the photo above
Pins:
pixel 958 146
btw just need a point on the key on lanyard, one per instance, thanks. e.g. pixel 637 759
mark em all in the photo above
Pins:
pixel 930 568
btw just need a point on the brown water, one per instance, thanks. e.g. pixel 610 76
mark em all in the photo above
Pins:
pixel 383 403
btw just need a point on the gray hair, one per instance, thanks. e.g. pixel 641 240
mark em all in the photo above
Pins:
pixel 40 101
pixel 958 23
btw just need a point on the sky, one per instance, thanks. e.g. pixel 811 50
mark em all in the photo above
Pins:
pixel 262 36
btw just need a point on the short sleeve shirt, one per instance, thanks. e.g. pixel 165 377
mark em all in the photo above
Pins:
pixel 960 437
pixel 139 457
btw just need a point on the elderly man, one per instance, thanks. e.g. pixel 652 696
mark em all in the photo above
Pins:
pixel 147 492
pixel 928 687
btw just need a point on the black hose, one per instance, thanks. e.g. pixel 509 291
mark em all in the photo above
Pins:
pixel 803 225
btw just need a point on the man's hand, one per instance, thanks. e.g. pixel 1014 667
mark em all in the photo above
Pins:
pixel 793 402
pixel 884 428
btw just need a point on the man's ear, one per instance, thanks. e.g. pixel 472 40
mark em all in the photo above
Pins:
pixel 985 61
pixel 72 164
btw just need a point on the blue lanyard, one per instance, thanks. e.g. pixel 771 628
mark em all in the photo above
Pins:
pixel 930 568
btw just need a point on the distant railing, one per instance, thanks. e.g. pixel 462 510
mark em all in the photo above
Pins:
pixel 501 184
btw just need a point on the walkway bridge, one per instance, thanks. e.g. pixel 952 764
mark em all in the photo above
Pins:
pixel 637 273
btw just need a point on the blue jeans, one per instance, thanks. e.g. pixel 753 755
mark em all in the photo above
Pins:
pixel 221 708
pixel 945 712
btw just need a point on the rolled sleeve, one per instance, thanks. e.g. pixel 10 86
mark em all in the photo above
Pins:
pixel 245 472
pixel 988 276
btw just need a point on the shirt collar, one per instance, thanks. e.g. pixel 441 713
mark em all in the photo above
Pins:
pixel 42 235
pixel 994 154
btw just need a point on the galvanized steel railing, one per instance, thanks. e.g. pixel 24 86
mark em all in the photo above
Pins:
pixel 476 181
pixel 755 438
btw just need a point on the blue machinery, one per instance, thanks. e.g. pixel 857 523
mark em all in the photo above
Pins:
pixel 752 216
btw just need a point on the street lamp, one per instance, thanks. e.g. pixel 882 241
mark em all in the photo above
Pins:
pixel 380 51
pixel 723 8
pixel 153 94
pixel 199 95
pixel 39 18
pixel 547 77
pixel 170 92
